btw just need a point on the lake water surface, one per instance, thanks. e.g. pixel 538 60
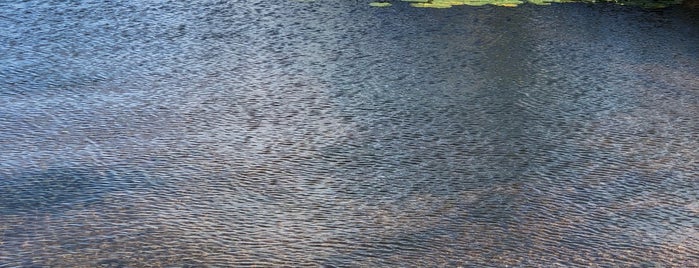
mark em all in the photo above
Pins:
pixel 279 133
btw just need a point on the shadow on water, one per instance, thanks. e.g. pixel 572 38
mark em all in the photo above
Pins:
pixel 55 189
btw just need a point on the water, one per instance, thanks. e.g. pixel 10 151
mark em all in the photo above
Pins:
pixel 279 133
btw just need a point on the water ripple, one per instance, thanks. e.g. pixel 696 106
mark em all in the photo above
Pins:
pixel 327 133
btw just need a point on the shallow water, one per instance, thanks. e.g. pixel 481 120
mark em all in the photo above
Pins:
pixel 277 133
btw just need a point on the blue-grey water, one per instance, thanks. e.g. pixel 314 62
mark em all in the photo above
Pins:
pixel 281 133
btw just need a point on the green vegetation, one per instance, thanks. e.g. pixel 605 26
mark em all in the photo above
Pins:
pixel 514 3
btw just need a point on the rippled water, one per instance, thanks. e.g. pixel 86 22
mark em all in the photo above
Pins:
pixel 281 133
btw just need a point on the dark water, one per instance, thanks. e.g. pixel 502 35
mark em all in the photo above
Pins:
pixel 278 133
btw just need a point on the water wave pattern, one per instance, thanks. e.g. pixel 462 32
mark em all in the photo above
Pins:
pixel 329 133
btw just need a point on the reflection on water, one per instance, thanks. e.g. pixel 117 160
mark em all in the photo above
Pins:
pixel 218 133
